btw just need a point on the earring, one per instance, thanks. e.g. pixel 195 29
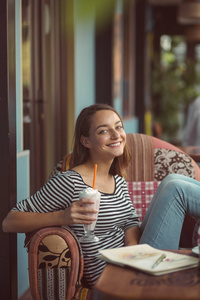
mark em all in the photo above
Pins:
pixel 81 140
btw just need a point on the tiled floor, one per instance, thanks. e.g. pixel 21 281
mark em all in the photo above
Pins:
pixel 26 296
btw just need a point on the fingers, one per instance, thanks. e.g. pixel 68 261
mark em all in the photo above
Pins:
pixel 79 218
pixel 81 212
pixel 83 219
pixel 85 206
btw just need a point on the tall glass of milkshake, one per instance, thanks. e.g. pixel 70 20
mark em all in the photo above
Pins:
pixel 93 194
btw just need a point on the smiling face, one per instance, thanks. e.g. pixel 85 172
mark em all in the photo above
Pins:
pixel 107 137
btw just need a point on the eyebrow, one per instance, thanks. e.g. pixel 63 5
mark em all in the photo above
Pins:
pixel 106 125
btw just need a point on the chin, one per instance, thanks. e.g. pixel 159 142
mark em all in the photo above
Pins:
pixel 119 153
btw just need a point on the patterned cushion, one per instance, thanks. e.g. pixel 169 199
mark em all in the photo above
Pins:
pixel 141 193
pixel 169 161
pixel 53 253
pixel 52 283
pixel 54 265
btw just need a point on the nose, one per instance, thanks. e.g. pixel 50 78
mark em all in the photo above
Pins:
pixel 114 134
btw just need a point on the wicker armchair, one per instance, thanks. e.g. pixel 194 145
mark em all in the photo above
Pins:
pixel 152 160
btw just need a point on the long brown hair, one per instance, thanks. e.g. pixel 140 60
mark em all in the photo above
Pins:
pixel 80 153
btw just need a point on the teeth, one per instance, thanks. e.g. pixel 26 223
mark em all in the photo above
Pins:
pixel 114 145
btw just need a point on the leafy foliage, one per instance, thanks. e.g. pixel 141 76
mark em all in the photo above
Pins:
pixel 173 87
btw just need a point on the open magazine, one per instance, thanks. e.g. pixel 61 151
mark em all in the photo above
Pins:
pixel 148 259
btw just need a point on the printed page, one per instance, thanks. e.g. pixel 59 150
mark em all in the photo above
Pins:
pixel 149 259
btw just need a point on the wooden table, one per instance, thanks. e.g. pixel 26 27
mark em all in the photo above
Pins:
pixel 125 283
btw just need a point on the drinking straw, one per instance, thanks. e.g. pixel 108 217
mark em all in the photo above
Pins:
pixel 95 171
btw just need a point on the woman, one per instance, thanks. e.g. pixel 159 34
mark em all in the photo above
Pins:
pixel 100 139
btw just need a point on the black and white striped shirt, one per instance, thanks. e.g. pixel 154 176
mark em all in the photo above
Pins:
pixel 116 214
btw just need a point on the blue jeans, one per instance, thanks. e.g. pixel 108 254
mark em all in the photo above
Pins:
pixel 162 224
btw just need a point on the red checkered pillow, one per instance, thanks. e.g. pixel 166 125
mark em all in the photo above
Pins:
pixel 141 193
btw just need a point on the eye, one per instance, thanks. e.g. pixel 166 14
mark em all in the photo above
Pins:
pixel 119 127
pixel 102 131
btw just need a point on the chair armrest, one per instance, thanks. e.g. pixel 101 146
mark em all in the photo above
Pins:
pixel 54 256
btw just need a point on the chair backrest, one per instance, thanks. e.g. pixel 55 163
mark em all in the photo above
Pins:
pixel 153 159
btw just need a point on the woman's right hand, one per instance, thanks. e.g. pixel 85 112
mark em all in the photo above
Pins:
pixel 80 212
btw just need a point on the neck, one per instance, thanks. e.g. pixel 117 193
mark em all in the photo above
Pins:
pixel 104 181
pixel 103 168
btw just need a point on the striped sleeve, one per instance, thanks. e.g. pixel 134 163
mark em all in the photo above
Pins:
pixel 55 195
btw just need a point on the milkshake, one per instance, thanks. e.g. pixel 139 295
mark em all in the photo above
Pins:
pixel 93 194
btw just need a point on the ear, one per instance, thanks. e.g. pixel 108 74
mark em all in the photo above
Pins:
pixel 85 141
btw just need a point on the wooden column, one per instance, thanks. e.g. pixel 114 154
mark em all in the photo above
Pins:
pixel 103 63
pixel 8 242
